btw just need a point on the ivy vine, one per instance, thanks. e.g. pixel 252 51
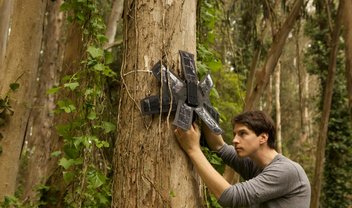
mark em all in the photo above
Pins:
pixel 6 110
pixel 85 169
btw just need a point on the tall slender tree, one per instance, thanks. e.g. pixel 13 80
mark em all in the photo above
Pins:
pixel 41 137
pixel 20 65
pixel 262 76
pixel 322 137
pixel 5 13
pixel 347 23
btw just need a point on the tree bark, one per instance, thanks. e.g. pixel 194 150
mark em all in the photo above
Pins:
pixel 5 14
pixel 114 18
pixel 303 90
pixel 347 23
pixel 323 128
pixel 262 76
pixel 72 53
pixel 21 60
pixel 41 137
pixel 278 107
pixel 150 168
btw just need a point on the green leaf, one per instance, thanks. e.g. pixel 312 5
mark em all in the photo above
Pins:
pixel 66 106
pixel 56 154
pixel 108 127
pixel 214 65
pixel 108 72
pixel 96 179
pixel 95 52
pixel 53 90
pixel 69 108
pixel 99 67
pixel 108 58
pixel 66 163
pixel 101 144
pixel 88 91
pixel 103 199
pixel 14 86
pixel 92 115
pixel 71 151
pixel 72 85
pixel 68 176
pixel 102 38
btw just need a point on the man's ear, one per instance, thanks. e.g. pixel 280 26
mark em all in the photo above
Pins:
pixel 263 138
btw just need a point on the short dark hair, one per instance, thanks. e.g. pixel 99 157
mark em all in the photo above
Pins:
pixel 259 122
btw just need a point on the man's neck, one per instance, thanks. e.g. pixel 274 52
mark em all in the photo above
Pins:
pixel 264 156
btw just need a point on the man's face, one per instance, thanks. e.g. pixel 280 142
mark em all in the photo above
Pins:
pixel 246 142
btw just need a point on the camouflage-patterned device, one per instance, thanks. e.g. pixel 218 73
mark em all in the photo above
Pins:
pixel 184 98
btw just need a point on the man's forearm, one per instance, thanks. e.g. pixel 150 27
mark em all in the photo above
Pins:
pixel 214 141
pixel 213 180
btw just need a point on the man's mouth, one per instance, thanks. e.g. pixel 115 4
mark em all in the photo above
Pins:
pixel 238 149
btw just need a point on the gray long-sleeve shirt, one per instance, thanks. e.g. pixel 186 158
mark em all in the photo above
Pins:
pixel 282 183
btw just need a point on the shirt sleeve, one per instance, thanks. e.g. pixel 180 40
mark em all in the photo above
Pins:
pixel 273 182
pixel 244 166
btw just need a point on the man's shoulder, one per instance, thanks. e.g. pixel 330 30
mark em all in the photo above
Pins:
pixel 285 167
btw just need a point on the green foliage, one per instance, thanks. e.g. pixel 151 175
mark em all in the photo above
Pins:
pixel 15 202
pixel 90 129
pixel 228 93
pixel 336 188
pixel 338 158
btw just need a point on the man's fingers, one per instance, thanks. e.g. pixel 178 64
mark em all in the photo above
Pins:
pixel 195 127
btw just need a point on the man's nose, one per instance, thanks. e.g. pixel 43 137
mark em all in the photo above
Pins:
pixel 235 140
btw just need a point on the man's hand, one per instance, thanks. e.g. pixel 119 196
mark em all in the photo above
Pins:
pixel 188 140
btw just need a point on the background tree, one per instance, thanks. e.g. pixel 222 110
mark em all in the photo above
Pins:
pixel 347 23
pixel 336 170
pixel 41 137
pixel 5 14
pixel 19 67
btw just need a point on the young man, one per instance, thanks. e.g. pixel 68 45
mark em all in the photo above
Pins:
pixel 272 180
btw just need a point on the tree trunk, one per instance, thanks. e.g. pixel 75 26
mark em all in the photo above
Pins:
pixel 278 107
pixel 21 61
pixel 5 14
pixel 323 128
pixel 303 90
pixel 347 22
pixel 41 137
pixel 114 18
pixel 72 54
pixel 262 76
pixel 150 168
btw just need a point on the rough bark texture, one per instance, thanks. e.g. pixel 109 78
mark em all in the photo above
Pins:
pixel 323 128
pixel 347 23
pixel 5 14
pixel 262 76
pixel 21 58
pixel 150 168
pixel 41 137
pixel 72 54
